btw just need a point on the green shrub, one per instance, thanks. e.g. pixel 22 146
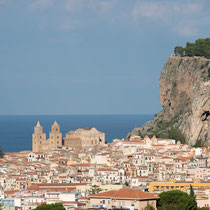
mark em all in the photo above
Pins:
pixel 54 206
pixel 176 134
pixel 198 143
pixel 1 153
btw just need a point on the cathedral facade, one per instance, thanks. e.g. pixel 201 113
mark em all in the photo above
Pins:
pixel 79 138
pixel 39 141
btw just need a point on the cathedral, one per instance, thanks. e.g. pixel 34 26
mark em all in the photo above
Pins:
pixel 79 138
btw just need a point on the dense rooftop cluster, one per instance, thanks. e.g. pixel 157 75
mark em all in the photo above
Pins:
pixel 66 175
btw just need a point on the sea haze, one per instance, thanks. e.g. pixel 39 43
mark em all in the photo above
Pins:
pixel 16 131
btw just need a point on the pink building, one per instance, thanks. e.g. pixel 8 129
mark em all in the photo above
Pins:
pixel 199 173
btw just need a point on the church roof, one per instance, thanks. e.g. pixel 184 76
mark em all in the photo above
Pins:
pixel 89 128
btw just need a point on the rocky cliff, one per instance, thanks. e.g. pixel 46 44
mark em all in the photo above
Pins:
pixel 184 88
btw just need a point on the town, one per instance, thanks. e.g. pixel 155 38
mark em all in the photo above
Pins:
pixel 81 171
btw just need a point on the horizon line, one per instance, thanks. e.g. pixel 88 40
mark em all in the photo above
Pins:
pixel 71 114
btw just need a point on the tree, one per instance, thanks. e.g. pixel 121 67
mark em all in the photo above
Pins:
pixel 94 189
pixel 176 200
pixel 1 153
pixel 189 49
pixel 192 194
pixel 179 50
pixel 54 206
pixel 192 191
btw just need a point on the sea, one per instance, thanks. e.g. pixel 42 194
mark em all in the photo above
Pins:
pixel 16 130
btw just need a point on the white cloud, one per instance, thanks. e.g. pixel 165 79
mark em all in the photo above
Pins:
pixel 165 9
pixel 95 5
pixel 73 5
pixel 181 17
pixel 102 6
pixel 74 9
pixel 41 4
pixel 149 9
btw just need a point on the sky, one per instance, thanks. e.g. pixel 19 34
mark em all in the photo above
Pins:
pixel 91 56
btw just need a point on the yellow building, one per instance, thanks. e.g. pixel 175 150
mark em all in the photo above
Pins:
pixel 197 184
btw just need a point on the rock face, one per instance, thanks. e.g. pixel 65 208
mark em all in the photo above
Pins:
pixel 184 88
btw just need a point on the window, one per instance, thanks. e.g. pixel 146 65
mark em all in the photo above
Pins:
pixel 119 203
pixel 132 203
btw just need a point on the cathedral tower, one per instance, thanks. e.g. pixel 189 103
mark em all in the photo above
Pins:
pixel 38 138
pixel 55 137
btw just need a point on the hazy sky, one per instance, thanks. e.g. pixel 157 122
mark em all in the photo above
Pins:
pixel 91 56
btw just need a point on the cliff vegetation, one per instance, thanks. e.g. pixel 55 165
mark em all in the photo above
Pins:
pixel 201 47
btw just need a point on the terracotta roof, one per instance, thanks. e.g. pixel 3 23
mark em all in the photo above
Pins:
pixel 136 141
pixel 158 145
pixel 125 194
pixel 89 128
pixel 165 139
pixel 105 169
pixel 10 191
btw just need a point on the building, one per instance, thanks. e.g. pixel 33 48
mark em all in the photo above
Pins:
pixel 203 201
pixel 199 173
pixel 123 198
pixel 39 142
pixel 79 138
pixel 84 137
pixel 197 184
